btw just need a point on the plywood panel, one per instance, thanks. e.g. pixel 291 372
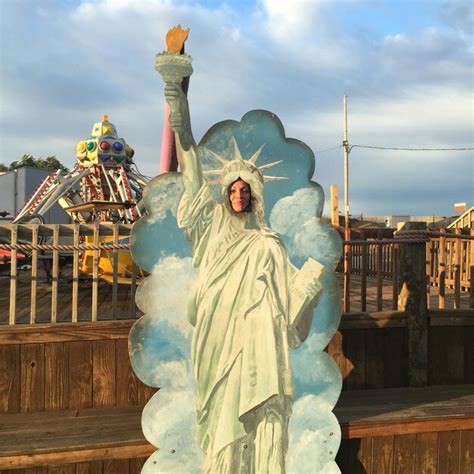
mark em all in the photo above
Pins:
pixel 382 451
pixel 56 376
pixel 449 446
pixel 10 379
pixel 103 379
pixel 80 374
pixel 32 378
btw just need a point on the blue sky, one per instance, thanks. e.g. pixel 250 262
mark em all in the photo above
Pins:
pixel 406 66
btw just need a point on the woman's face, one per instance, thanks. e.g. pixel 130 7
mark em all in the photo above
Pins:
pixel 239 195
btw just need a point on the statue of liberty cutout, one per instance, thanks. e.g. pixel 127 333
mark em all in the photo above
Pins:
pixel 248 303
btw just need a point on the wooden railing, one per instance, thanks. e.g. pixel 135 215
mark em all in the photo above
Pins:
pixel 370 278
pixel 41 279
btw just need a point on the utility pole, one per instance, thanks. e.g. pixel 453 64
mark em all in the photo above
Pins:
pixel 347 231
pixel 345 144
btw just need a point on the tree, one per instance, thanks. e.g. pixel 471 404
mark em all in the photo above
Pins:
pixel 49 163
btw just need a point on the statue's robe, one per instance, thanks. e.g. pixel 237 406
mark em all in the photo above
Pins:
pixel 239 308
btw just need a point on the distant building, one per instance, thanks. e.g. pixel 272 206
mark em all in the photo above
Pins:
pixel 17 186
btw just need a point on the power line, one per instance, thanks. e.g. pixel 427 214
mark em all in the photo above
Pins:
pixel 318 152
pixel 409 149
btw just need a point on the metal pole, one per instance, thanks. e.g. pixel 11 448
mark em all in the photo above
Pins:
pixel 345 144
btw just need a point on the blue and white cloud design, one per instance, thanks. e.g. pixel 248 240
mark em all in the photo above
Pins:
pixel 160 342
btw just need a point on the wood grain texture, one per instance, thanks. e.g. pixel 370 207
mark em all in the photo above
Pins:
pixel 32 378
pixel 80 374
pixel 56 376
pixel 64 332
pixel 404 450
pixel 382 452
pixel 116 466
pixel 374 359
pixel 127 382
pixel 354 350
pixel 426 461
pixel 10 377
pixel 103 379
pixel 467 452
pixel 449 447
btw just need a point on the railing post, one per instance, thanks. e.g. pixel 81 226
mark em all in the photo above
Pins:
pixel 412 300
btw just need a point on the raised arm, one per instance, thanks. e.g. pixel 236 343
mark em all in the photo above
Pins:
pixel 173 67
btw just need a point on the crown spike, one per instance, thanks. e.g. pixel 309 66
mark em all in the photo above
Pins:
pixel 237 154
pixel 253 159
pixel 269 165
pixel 219 158
pixel 274 178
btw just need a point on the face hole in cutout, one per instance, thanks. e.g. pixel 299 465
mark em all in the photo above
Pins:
pixel 240 196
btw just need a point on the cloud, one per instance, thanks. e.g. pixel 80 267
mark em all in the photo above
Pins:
pixel 66 64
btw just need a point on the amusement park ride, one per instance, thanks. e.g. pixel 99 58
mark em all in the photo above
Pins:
pixel 104 186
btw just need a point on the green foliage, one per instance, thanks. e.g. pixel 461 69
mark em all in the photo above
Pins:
pixel 49 163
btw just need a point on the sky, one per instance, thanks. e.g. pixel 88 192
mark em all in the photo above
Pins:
pixel 406 67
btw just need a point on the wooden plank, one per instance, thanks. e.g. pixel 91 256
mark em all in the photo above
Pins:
pixel 75 276
pixel 442 273
pixel 379 277
pixel 127 383
pixel 449 450
pixel 115 273
pixel 32 378
pixel 55 276
pixel 347 276
pixel 89 467
pixel 467 452
pixel 64 332
pixel 103 373
pixel 34 274
pixel 457 271
pixel 116 466
pixel 363 279
pixel 62 469
pixel 80 374
pixel 112 452
pixel 136 465
pixel 394 276
pixel 404 451
pixel 382 452
pixel 446 365
pixel 354 350
pixel 56 375
pixel 395 358
pixel 374 359
pixel 13 277
pixel 95 275
pixel 10 379
pixel 469 355
pixel 426 461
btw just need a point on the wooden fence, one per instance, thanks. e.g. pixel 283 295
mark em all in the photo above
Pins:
pixel 41 279
pixel 373 262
